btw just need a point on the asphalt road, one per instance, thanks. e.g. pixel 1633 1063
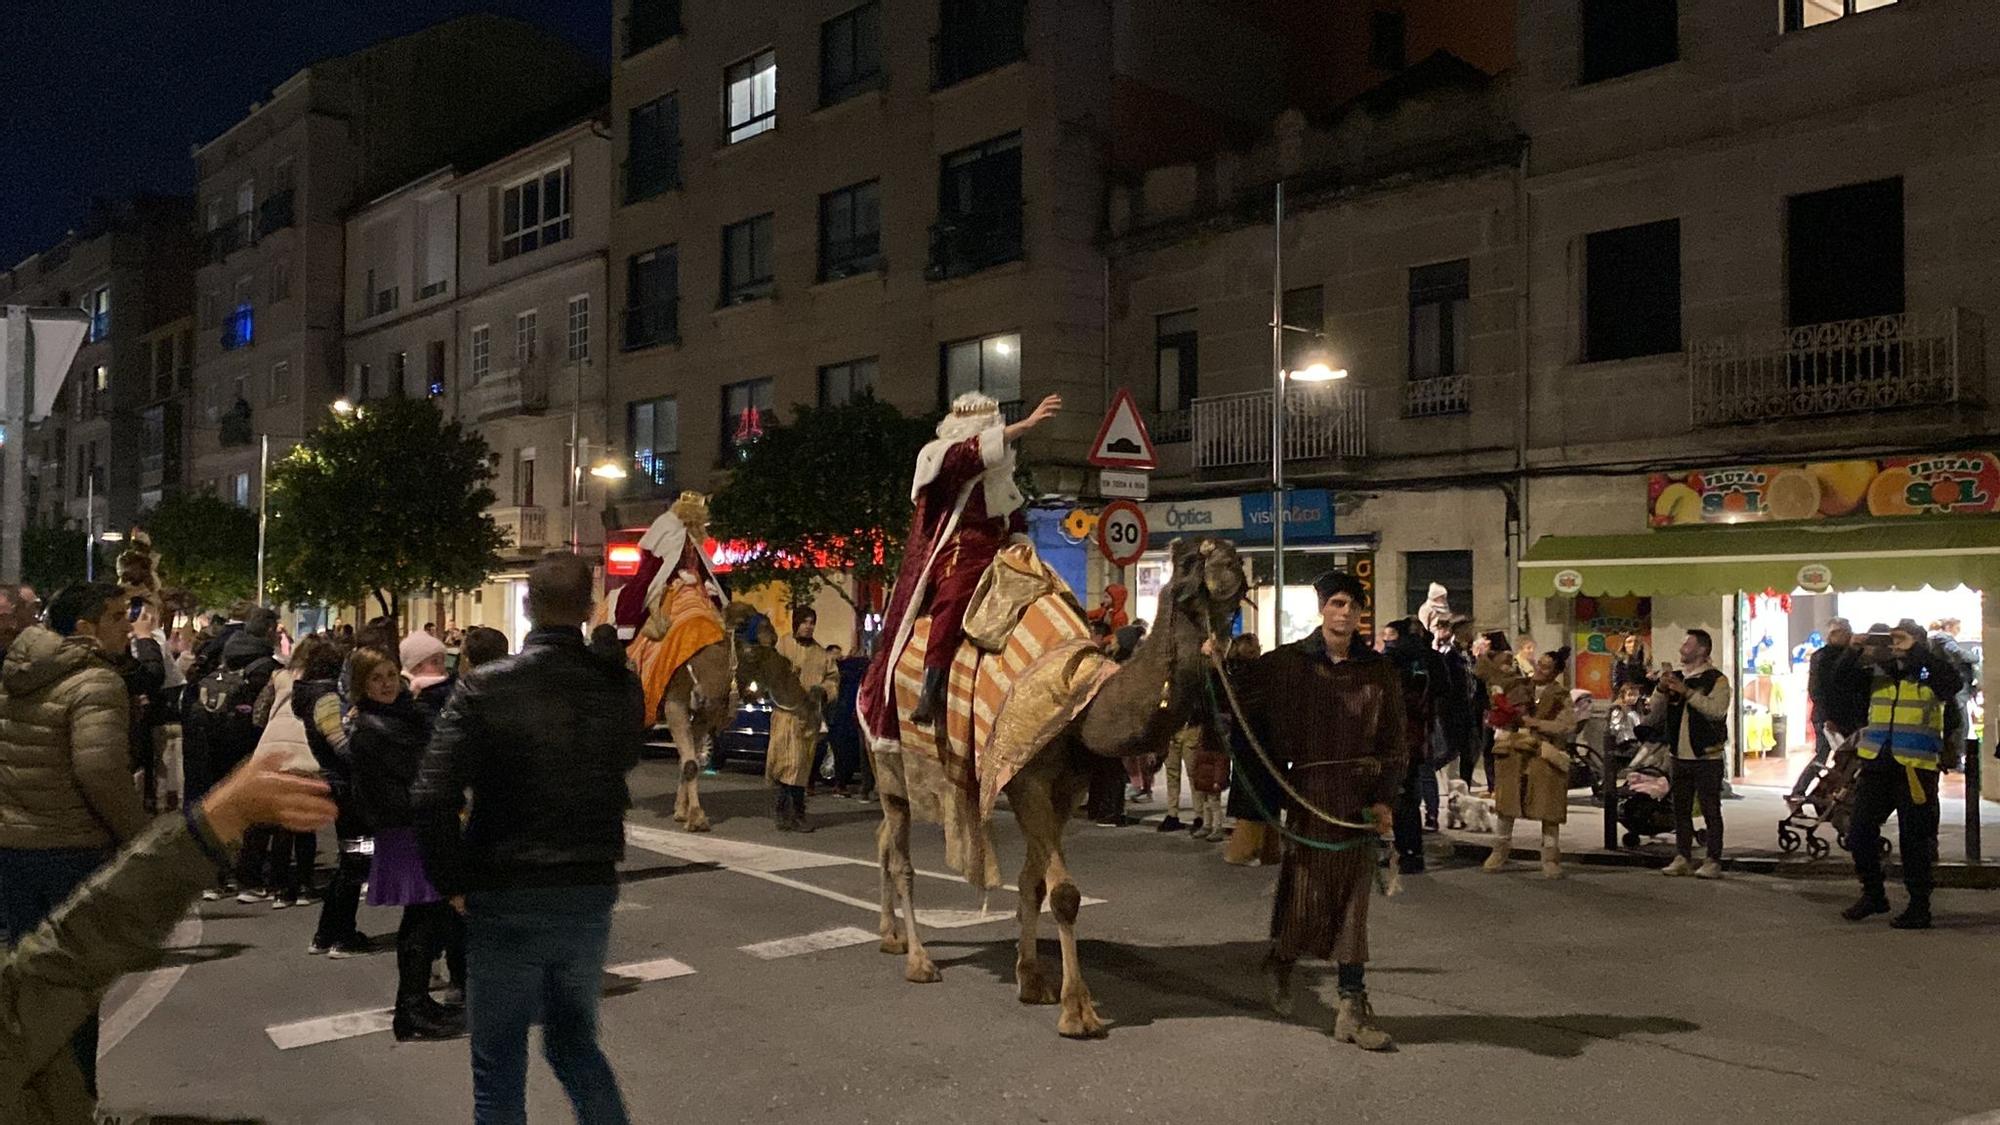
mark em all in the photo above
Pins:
pixel 1612 996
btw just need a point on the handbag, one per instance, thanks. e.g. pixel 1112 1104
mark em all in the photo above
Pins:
pixel 1014 582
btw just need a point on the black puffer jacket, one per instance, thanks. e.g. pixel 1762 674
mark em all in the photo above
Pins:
pixel 544 740
pixel 386 744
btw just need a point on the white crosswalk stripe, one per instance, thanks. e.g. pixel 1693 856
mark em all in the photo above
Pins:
pixel 839 938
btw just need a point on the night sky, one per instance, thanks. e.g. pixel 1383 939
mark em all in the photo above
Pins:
pixel 104 99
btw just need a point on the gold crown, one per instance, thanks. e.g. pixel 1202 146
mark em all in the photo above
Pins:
pixel 975 409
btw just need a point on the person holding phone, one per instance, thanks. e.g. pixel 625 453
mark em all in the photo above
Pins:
pixel 1691 704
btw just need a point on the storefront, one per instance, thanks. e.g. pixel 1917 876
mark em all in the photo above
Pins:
pixel 1312 548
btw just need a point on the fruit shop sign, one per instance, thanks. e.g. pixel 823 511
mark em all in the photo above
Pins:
pixel 1951 484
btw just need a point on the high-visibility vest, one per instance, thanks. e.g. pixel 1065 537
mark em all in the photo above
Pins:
pixel 1908 719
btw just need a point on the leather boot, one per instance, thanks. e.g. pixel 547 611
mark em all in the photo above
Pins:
pixel 1503 847
pixel 930 702
pixel 1552 867
pixel 799 822
pixel 781 809
pixel 426 1021
pixel 1871 902
pixel 1355 1023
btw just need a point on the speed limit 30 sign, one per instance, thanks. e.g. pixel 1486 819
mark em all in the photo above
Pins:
pixel 1121 533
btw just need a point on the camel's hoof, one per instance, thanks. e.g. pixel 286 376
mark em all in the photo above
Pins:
pixel 1080 1024
pixel 696 823
pixel 895 945
pixel 922 972
pixel 680 818
pixel 1036 989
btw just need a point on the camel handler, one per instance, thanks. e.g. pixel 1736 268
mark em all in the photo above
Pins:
pixel 967 507
pixel 1333 706
pixel 672 608
pixel 795 733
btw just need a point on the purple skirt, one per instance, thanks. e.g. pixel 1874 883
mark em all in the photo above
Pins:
pixel 397 876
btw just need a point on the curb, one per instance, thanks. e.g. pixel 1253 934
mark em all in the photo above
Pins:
pixel 1955 876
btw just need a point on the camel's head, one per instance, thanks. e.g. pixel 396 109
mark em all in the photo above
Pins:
pixel 1208 580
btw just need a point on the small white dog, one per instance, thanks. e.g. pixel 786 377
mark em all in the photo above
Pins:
pixel 1467 812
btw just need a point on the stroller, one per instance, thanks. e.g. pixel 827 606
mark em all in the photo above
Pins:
pixel 1645 804
pixel 1829 800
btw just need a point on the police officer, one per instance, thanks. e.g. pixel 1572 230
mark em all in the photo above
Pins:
pixel 1900 751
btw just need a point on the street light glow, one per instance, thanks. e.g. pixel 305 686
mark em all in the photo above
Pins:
pixel 1318 371
pixel 343 407
pixel 609 470
pixel 112 537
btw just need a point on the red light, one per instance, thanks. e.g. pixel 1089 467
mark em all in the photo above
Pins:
pixel 621 560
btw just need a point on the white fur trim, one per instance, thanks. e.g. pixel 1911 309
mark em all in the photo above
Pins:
pixel 1002 497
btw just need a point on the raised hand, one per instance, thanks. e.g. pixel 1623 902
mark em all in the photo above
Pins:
pixel 258 793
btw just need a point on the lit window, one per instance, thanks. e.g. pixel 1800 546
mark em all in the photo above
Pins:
pixel 653 432
pixel 97 305
pixel 1800 14
pixel 752 90
pixel 577 349
pixel 990 365
pixel 482 352
pixel 746 413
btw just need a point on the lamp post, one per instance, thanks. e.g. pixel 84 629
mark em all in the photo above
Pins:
pixel 605 469
pixel 36 347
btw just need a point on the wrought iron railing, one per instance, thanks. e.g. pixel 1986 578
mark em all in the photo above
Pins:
pixel 527 529
pixel 1171 425
pixel 1846 366
pixel 1321 423
pixel 1436 397
pixel 971 241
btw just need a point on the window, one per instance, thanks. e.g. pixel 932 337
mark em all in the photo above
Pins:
pixel 152 445
pixel 1801 14
pixel 399 373
pixel 850 231
pixel 653 148
pixel 281 381
pixel 746 260
pixel 991 365
pixel 239 329
pixel 524 477
pixel 752 91
pixel 1176 361
pixel 534 212
pixel 652 298
pixel 576 347
pixel 1440 319
pixel 1844 253
pixel 842 383
pixel 1386 36
pixel 97 306
pixel 482 352
pixel 850 53
pixel 434 368
pixel 100 378
pixel 653 433
pixel 211 309
pixel 1450 569
pixel 524 337
pixel 975 36
pixel 438 221
pixel 1632 292
pixel 382 297
pixel 651 21
pixel 246 210
pixel 746 410
pixel 1623 37
pixel 364 381
pixel 281 280
pixel 1305 319
pixel 239 490
pixel 979 208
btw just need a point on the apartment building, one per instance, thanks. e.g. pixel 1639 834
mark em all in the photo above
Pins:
pixel 275 191
pixel 130 267
pixel 483 287
pixel 1733 269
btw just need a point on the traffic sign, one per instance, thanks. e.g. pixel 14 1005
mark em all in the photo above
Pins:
pixel 1121 484
pixel 1122 442
pixel 1121 532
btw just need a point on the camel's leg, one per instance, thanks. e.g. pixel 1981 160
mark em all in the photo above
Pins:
pixel 1035 813
pixel 687 798
pixel 1079 1016
pixel 892 938
pixel 917 966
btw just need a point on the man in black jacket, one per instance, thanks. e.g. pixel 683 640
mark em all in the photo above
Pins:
pixel 543 740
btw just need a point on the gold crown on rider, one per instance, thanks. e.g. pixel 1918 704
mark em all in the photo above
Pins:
pixel 972 404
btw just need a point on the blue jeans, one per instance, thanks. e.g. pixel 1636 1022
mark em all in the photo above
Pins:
pixel 538 953
pixel 32 884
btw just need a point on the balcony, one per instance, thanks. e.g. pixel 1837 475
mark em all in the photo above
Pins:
pixel 650 325
pixel 506 393
pixel 274 214
pixel 1437 397
pixel 1171 425
pixel 651 21
pixel 1321 423
pixel 526 528
pixel 971 241
pixel 1844 367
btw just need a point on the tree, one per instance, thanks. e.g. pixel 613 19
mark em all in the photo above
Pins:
pixel 824 497
pixel 52 557
pixel 389 498
pixel 207 549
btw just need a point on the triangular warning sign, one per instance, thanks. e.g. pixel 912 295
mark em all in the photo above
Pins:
pixel 1122 442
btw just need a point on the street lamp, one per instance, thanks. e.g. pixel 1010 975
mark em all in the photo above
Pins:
pixel 343 407
pixel 609 470
pixel 606 468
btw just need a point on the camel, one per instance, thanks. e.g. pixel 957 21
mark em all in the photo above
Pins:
pixel 1136 710
pixel 702 696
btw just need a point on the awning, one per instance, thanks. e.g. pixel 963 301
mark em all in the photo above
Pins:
pixel 1888 555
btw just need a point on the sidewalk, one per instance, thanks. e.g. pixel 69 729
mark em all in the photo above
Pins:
pixel 1751 842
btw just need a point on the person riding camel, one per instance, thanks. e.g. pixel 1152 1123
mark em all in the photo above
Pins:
pixel 967 507
pixel 672 608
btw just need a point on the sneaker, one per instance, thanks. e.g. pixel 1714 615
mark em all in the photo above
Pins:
pixel 1680 866
pixel 1710 870
pixel 252 894
pixel 280 902
pixel 305 899
pixel 317 947
pixel 213 894
pixel 452 997
pixel 1866 906
pixel 1914 918
pixel 1171 824
pixel 354 945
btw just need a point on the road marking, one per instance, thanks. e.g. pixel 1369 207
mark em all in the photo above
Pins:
pixel 810 943
pixel 765 861
pixel 152 989
pixel 353 1025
